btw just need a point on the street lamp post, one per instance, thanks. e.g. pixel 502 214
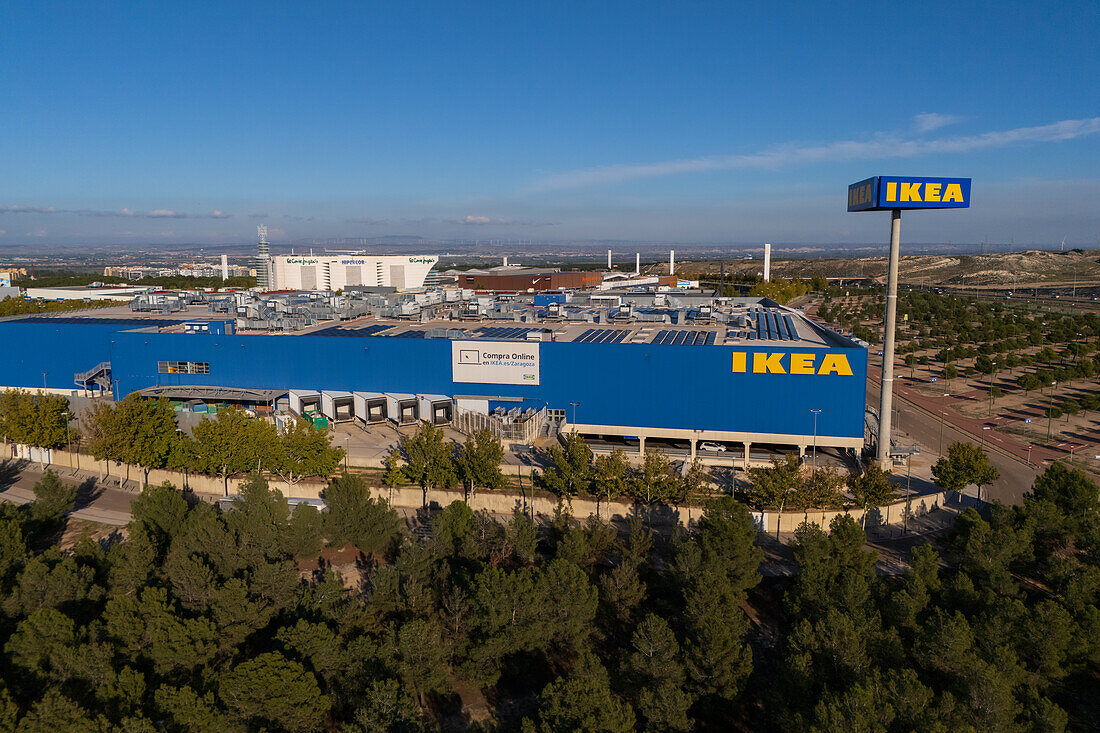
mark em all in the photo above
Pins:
pixel 943 405
pixel 69 438
pixel 908 476
pixel 574 405
pixel 347 438
pixel 815 413
pixel 44 388
pixel 1050 407
pixel 1029 454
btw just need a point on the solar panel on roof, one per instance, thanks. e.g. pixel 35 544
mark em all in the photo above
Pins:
pixel 659 338
pixel 780 326
pixel 710 338
pixel 101 321
pixel 791 328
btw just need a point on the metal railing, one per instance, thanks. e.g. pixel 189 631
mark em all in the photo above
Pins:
pixel 523 428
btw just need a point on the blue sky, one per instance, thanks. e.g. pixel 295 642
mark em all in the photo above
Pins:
pixel 683 121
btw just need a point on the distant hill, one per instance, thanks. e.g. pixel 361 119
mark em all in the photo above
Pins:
pixel 1012 269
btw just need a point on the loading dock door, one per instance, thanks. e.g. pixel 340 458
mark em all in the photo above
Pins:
pixel 441 413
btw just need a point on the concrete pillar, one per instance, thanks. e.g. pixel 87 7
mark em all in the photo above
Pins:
pixel 694 443
pixel 747 447
pixel 641 445
pixel 801 452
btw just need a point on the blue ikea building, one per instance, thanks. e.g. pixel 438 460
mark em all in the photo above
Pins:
pixel 760 382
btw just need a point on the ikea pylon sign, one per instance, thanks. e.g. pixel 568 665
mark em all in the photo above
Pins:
pixel 883 193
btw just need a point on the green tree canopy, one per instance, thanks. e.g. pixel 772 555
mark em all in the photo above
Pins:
pixel 571 472
pixel 478 461
pixel 963 465
pixel 34 419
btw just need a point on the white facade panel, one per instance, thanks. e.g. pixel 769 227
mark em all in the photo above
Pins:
pixel 314 272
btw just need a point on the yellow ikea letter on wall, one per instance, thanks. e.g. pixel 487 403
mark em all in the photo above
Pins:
pixel 768 363
pixel 739 361
pixel 835 364
pixel 802 363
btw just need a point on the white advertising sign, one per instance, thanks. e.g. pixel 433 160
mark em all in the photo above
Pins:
pixel 495 362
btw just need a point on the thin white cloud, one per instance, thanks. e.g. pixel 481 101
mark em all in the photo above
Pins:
pixel 481 220
pixel 928 121
pixel 880 147
pixel 367 220
pixel 19 209
pixel 107 213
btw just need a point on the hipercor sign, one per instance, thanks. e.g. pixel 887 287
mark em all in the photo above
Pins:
pixel 883 193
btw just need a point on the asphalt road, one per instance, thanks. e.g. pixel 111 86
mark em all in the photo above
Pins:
pixel 1016 477
pixel 95 501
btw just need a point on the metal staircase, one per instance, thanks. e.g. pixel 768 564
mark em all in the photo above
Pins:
pixel 98 376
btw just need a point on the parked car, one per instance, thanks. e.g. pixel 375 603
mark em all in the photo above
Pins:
pixel 713 447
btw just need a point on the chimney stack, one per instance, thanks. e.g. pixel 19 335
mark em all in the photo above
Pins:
pixel 637 263
pixel 608 259
pixel 767 262
pixel 672 262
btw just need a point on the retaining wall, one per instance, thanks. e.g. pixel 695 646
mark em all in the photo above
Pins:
pixel 411 497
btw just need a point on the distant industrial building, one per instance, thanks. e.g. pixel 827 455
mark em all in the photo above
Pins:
pixel 121 293
pixel 527 278
pixel 195 269
pixel 677 367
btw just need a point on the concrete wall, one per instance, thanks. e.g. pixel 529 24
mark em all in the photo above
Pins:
pixel 411 497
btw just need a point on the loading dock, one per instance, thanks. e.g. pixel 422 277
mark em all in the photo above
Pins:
pixel 436 408
pixel 303 400
pixel 370 407
pixel 402 408
pixel 338 406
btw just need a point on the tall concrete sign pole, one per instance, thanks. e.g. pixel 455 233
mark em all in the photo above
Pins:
pixel 886 398
pixel 894 193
